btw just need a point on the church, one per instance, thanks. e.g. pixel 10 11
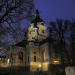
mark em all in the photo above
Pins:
pixel 33 51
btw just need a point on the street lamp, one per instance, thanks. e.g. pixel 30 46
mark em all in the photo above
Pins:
pixel 8 61
pixel 56 61
pixel 39 66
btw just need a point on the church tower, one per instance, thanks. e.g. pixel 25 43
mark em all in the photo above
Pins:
pixel 37 44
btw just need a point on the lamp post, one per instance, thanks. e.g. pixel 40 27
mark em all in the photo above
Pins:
pixel 39 68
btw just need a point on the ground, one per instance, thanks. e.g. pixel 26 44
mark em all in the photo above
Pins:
pixel 23 73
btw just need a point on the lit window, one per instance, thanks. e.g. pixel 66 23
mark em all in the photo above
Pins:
pixel 20 56
pixel 8 61
pixel 0 58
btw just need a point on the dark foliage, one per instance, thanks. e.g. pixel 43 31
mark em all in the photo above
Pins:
pixel 12 12
pixel 62 35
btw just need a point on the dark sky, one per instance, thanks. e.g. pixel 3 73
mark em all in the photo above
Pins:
pixel 52 9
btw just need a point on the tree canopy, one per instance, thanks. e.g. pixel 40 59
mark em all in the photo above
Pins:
pixel 12 12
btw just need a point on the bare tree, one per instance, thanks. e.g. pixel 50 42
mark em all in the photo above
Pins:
pixel 59 29
pixel 11 13
pixel 73 43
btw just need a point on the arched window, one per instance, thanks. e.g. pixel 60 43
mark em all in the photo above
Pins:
pixel 42 31
pixel 34 58
pixel 20 56
pixel 34 52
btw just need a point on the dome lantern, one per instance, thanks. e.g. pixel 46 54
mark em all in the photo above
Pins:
pixel 37 19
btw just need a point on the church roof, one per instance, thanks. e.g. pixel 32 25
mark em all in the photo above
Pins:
pixel 37 19
pixel 22 43
pixel 2 56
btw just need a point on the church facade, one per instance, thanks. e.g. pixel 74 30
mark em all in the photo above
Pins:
pixel 35 52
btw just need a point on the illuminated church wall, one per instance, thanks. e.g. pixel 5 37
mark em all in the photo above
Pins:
pixel 16 56
pixel 39 56
pixel 38 49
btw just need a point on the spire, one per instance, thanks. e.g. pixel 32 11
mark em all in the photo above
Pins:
pixel 37 13
pixel 37 18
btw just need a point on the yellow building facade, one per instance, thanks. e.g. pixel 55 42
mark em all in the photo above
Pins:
pixel 37 44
